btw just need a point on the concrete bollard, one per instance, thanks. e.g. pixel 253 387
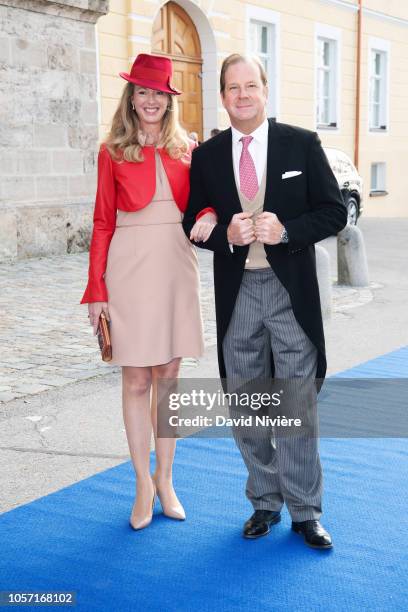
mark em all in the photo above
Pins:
pixel 325 281
pixel 352 266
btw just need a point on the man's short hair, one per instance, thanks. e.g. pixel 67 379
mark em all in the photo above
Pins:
pixel 235 58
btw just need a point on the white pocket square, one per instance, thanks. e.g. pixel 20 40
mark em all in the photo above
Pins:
pixel 291 173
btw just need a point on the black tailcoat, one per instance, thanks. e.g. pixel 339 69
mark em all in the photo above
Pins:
pixel 310 206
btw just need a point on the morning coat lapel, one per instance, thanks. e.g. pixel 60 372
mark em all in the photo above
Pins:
pixel 226 168
pixel 278 145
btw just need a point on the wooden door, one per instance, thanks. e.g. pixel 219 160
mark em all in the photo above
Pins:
pixel 175 36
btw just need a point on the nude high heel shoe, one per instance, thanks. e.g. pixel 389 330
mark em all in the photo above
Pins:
pixel 140 523
pixel 175 511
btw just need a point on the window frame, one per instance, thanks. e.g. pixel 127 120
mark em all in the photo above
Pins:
pixel 381 186
pixel 271 19
pixel 381 46
pixel 332 35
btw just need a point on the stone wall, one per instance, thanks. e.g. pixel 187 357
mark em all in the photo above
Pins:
pixel 48 125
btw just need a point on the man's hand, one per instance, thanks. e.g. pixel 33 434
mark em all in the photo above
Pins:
pixel 201 230
pixel 268 228
pixel 241 229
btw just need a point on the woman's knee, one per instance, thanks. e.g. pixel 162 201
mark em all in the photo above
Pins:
pixel 136 381
pixel 168 370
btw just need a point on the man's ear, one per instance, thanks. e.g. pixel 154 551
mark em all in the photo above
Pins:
pixel 222 98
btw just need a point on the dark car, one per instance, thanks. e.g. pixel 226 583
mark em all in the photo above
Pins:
pixel 350 182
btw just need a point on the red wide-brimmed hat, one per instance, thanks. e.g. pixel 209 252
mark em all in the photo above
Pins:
pixel 152 71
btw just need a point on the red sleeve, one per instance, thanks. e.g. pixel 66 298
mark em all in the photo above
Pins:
pixel 204 211
pixel 104 222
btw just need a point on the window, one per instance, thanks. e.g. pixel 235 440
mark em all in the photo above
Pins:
pixel 263 40
pixel 326 86
pixel 327 76
pixel 379 51
pixel 378 184
pixel 262 45
pixel 378 90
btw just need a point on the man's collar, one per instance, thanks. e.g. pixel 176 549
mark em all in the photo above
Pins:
pixel 260 134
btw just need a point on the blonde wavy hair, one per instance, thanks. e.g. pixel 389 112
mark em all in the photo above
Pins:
pixel 123 140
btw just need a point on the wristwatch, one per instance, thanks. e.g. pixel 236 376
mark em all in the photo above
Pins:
pixel 284 236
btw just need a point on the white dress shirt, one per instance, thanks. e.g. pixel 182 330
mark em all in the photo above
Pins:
pixel 258 148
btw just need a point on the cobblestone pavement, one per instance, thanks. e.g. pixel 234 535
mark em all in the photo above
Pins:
pixel 45 338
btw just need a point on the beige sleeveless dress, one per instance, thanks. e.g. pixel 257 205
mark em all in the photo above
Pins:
pixel 153 284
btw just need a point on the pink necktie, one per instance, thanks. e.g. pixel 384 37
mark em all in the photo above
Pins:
pixel 247 173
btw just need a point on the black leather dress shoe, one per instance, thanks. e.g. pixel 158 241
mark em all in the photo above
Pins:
pixel 260 522
pixel 315 535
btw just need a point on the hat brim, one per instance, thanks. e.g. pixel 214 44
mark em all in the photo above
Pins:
pixel 150 84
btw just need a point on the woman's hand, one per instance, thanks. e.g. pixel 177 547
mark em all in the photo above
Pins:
pixel 203 227
pixel 94 310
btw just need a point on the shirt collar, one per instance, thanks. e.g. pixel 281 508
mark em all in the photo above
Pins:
pixel 260 134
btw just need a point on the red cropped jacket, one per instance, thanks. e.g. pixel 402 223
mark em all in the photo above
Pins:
pixel 127 186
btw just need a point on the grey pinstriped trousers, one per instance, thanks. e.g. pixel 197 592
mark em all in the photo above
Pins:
pixel 280 469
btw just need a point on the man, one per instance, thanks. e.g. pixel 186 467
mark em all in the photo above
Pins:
pixel 194 136
pixel 275 195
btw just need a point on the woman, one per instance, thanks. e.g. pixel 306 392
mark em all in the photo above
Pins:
pixel 143 271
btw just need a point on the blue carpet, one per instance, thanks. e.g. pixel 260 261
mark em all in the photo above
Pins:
pixel 79 539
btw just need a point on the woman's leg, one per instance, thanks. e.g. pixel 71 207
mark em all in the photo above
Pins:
pixel 136 385
pixel 165 447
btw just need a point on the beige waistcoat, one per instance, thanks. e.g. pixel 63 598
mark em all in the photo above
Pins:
pixel 256 257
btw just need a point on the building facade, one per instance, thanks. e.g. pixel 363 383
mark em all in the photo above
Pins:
pixel 339 67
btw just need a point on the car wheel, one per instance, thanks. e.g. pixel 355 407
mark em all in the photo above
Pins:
pixel 352 210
